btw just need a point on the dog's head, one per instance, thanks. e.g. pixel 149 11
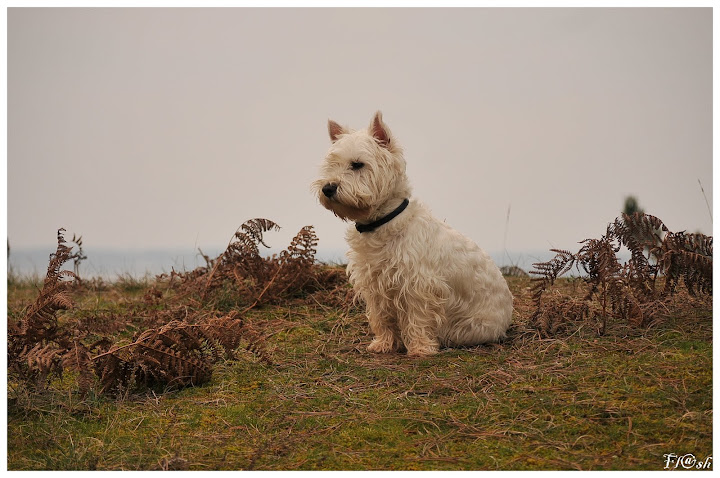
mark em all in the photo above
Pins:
pixel 363 171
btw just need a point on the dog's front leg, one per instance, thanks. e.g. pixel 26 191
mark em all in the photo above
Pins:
pixel 383 326
pixel 420 341
pixel 419 321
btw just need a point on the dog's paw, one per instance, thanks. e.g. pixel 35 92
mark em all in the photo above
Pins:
pixel 382 346
pixel 423 350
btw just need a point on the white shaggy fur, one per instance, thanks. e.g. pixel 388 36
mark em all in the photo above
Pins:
pixel 424 284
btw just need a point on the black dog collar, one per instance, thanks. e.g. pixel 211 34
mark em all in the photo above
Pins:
pixel 383 220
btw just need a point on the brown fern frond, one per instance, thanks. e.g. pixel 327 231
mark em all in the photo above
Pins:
pixel 162 365
pixel 642 234
pixel 229 332
pixel 598 260
pixel 42 360
pixel 557 266
pixel 699 244
pixel 688 257
pixel 77 357
pixel 254 228
pixel 550 271
pixel 178 351
pixel 639 231
pixel 37 344
pixel 627 291
pixel 241 275
pixel 245 243
pixel 302 248
pixel 226 331
pixel 557 311
pixel 295 262
pixel 168 356
pixel 115 370
pixel 242 256
pixel 178 354
pixel 40 321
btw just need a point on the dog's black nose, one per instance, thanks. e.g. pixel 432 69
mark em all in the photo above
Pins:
pixel 329 190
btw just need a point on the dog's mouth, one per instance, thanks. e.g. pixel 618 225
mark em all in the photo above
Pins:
pixel 343 210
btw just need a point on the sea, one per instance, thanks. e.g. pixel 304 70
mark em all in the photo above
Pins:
pixel 113 264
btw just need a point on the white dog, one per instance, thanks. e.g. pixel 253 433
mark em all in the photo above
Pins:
pixel 424 284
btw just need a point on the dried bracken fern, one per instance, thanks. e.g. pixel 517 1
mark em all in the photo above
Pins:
pixel 687 257
pixel 292 269
pixel 179 351
pixel 249 277
pixel 178 354
pixel 296 262
pixel 40 320
pixel 76 357
pixel 559 312
pixel 241 259
pixel 184 325
pixel 38 346
pixel 551 270
pixel 629 290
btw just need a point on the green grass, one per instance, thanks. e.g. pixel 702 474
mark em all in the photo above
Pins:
pixel 619 401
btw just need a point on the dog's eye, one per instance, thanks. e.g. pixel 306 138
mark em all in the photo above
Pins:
pixel 355 165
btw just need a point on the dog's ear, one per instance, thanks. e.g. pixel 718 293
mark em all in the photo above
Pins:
pixel 335 130
pixel 380 131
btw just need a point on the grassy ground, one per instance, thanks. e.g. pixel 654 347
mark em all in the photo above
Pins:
pixel 620 401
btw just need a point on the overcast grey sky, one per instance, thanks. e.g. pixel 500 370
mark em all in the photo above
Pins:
pixel 168 128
